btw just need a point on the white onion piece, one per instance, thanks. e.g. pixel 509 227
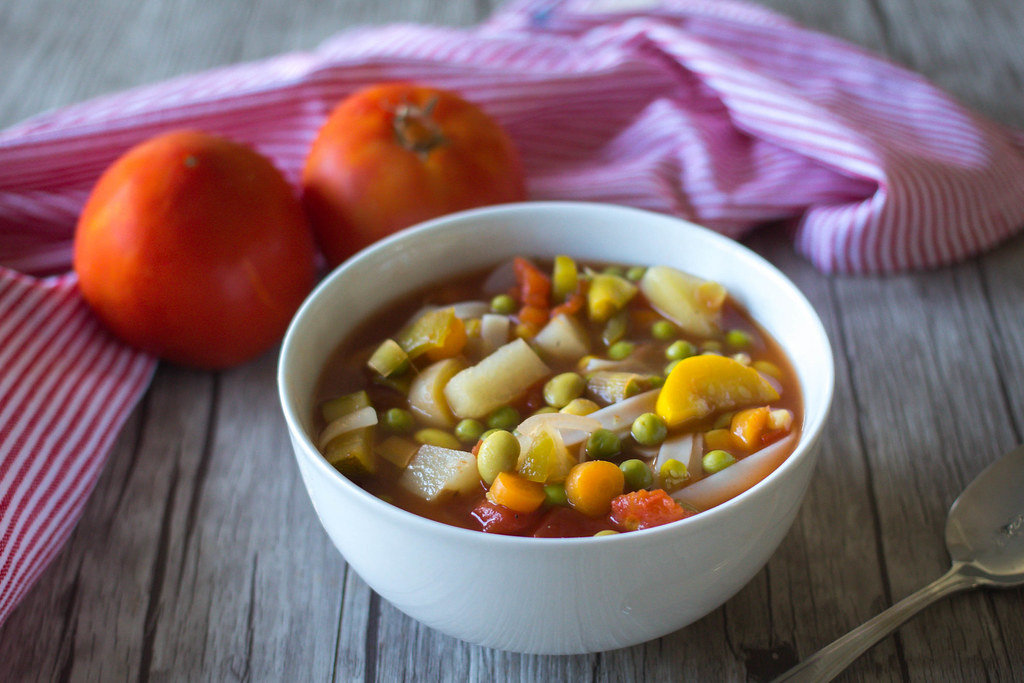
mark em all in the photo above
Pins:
pixel 715 489
pixel 687 449
pixel 618 416
pixel 466 310
pixel 563 422
pixel 493 332
pixel 357 419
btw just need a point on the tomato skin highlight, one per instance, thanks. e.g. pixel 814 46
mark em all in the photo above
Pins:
pixel 194 248
pixel 393 155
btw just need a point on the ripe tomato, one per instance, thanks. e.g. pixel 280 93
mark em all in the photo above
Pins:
pixel 194 248
pixel 393 155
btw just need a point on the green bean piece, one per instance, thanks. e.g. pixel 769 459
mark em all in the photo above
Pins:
pixel 679 350
pixel 469 430
pixel 497 453
pixel 649 430
pixel 621 350
pixel 554 494
pixel 397 420
pixel 503 304
pixel 738 339
pixel 603 444
pixel 716 461
pixel 505 417
pixel 563 388
pixel 637 474
pixel 635 273
pixel 664 330
pixel 437 437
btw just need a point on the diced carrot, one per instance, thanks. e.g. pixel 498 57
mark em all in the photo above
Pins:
pixel 516 492
pixel 719 439
pixel 572 304
pixel 534 285
pixel 645 509
pixel 591 486
pixel 533 316
pixel 748 425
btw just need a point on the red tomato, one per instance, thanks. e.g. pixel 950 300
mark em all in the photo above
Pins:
pixel 645 509
pixel 393 155
pixel 194 248
pixel 498 519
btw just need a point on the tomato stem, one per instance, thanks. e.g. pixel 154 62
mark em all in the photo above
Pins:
pixel 415 128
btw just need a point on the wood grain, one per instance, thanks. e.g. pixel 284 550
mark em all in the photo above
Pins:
pixel 200 558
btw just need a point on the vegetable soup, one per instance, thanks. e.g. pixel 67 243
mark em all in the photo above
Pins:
pixel 560 399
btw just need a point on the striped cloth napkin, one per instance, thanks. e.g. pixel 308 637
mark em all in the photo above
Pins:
pixel 716 111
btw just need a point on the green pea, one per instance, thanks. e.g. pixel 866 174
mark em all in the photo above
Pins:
pixel 437 437
pixel 497 453
pixel 679 350
pixel 580 406
pixel 544 410
pixel 649 430
pixel 711 345
pixel 554 494
pixel 716 461
pixel 397 420
pixel 664 330
pixel 620 350
pixel 503 304
pixel 603 444
pixel 635 273
pixel 737 339
pixel 672 474
pixel 671 366
pixel 469 430
pixel 505 417
pixel 655 381
pixel 488 432
pixel 607 532
pixel 637 473
pixel 563 388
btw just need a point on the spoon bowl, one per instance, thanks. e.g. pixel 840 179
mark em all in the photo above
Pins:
pixel 985 539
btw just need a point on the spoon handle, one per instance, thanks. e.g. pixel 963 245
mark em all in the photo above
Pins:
pixel 827 662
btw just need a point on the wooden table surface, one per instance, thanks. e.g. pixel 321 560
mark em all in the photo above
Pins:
pixel 199 556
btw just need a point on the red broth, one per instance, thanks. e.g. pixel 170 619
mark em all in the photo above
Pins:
pixel 675 461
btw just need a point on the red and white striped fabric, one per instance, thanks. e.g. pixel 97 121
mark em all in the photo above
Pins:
pixel 716 111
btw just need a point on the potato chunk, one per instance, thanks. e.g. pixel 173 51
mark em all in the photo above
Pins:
pixel 495 381
pixel 435 471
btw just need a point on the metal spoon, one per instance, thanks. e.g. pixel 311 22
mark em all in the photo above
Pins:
pixel 985 539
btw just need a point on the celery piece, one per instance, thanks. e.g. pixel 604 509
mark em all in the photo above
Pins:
pixel 547 460
pixel 351 453
pixel 612 387
pixel 389 359
pixel 616 328
pixel 608 294
pixel 343 405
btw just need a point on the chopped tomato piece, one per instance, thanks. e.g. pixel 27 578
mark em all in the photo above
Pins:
pixel 645 509
pixel 498 519
pixel 534 285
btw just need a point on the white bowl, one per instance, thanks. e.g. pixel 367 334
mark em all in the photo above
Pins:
pixel 555 596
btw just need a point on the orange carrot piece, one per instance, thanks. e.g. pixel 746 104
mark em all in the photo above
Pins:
pixel 748 425
pixel 591 486
pixel 451 344
pixel 534 285
pixel 719 439
pixel 572 304
pixel 516 492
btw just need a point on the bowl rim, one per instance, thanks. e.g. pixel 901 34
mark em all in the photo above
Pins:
pixel 306 449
